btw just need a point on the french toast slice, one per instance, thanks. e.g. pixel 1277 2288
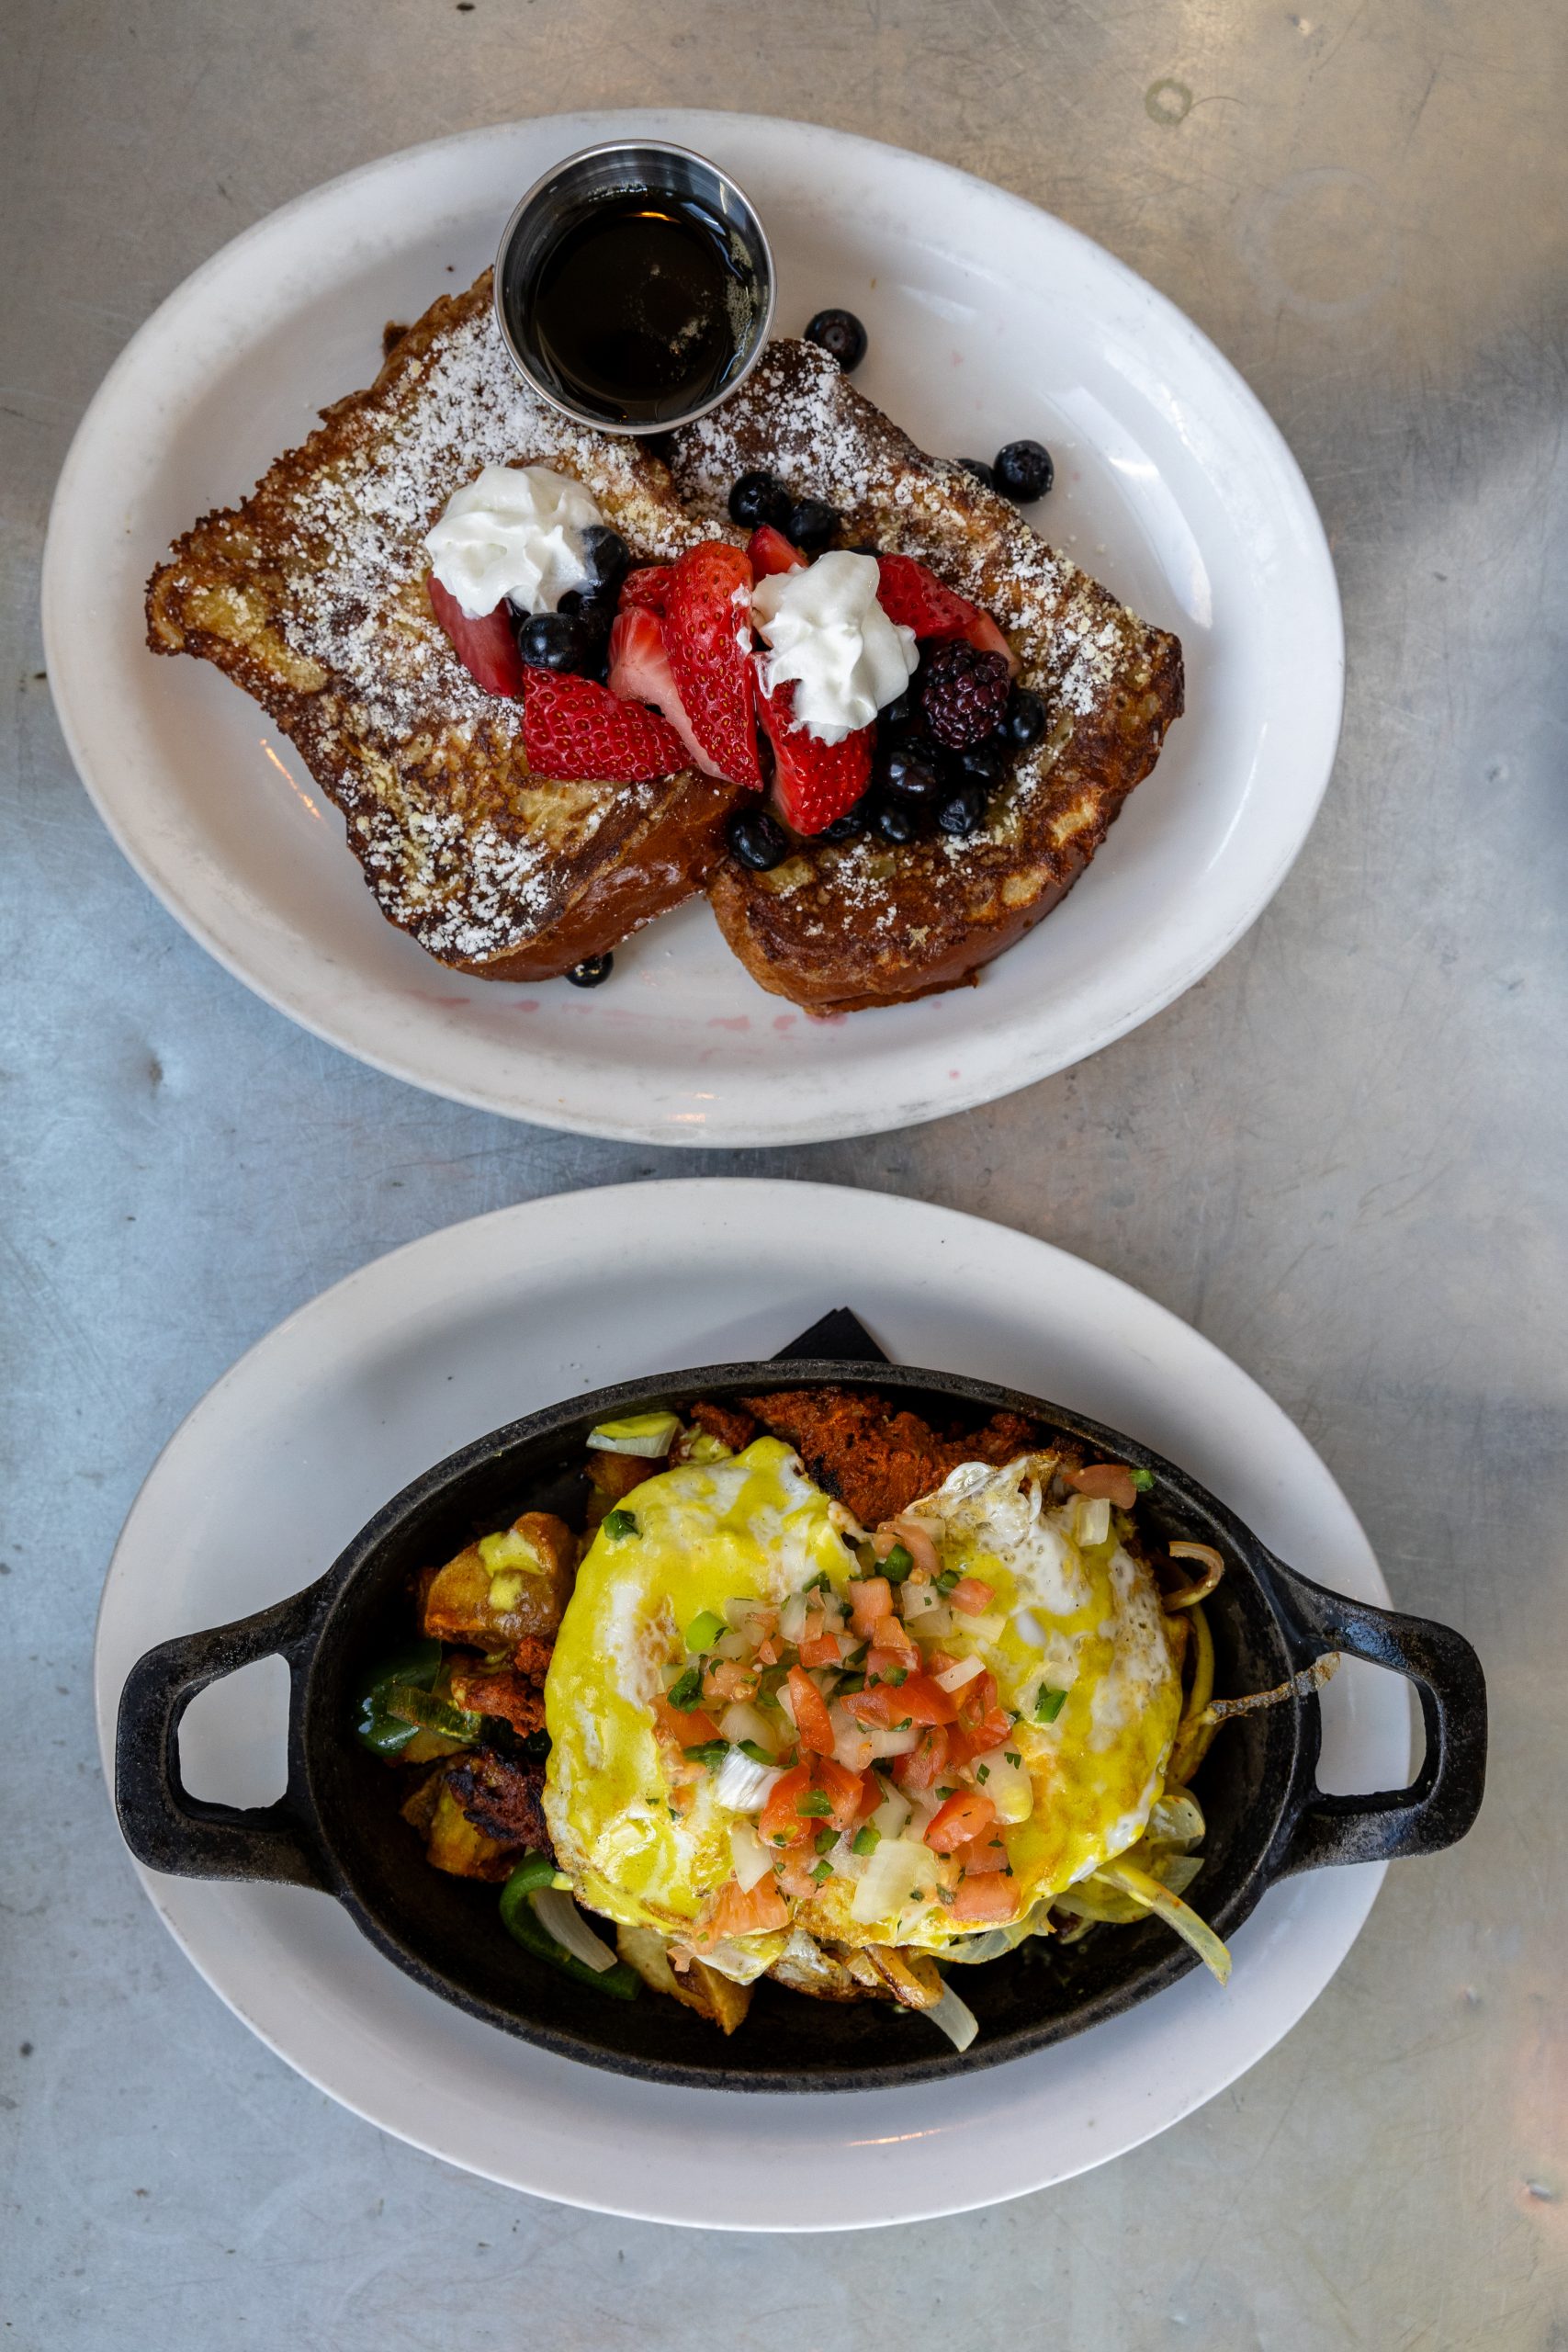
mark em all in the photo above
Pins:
pixel 836 929
pixel 311 596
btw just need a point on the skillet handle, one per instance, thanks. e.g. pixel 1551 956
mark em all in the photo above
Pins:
pixel 164 1825
pixel 1445 1797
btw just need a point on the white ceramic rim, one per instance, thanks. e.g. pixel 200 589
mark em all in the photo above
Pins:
pixel 292 1967
pixel 906 1064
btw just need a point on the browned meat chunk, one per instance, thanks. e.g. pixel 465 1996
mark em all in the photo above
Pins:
pixel 877 1459
pixel 726 1422
pixel 501 1798
pixel 499 1690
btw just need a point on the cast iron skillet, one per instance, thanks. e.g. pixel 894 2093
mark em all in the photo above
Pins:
pixel 336 1828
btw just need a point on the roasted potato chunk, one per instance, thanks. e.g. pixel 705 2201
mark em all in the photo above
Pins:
pixel 503 1589
pixel 698 1987
pixel 452 1843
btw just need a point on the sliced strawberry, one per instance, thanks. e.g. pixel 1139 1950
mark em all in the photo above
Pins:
pixel 575 729
pixel 486 649
pixel 915 597
pixel 639 671
pixel 813 782
pixel 648 587
pixel 707 634
pixel 770 552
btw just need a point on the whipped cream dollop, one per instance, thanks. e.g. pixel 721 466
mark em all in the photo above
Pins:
pixel 513 531
pixel 827 634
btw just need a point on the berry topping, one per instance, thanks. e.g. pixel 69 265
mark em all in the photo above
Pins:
pixel 1023 471
pixel 841 334
pixel 707 634
pixel 964 813
pixel 591 972
pixel 1025 721
pixel 770 552
pixel 606 556
pixel 639 671
pixel 759 498
pixel 847 827
pixel 916 598
pixel 758 839
pixel 983 763
pixel 980 469
pixel 963 694
pixel 648 586
pixel 813 782
pixel 486 649
pixel 575 729
pixel 812 523
pixel 910 770
pixel 895 820
pixel 563 641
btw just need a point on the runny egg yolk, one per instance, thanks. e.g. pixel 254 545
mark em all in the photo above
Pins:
pixel 1061 1616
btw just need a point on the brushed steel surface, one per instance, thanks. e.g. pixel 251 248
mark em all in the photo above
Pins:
pixel 1342 1156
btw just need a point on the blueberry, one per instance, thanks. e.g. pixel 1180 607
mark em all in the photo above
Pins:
pixel 909 770
pixel 812 523
pixel 964 813
pixel 606 556
pixel 841 334
pixel 1025 721
pixel 900 711
pixel 758 839
pixel 980 469
pixel 1025 472
pixel 592 973
pixel 896 821
pixel 847 827
pixel 863 546
pixel 983 763
pixel 555 642
pixel 759 497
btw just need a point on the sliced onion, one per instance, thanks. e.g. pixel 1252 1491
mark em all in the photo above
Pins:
pixel 954 1677
pixel 893 1871
pixel 751 1858
pixel 648 1436
pixel 742 1785
pixel 742 1721
pixel 1176 1819
pixel 956 2018
pixel 560 1916
pixel 1214 1568
pixel 1149 1893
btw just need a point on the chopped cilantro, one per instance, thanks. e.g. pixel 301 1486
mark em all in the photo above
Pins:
pixel 895 1675
pixel 867 1840
pixel 820 1582
pixel 814 1804
pixel 618 1524
pixel 684 1694
pixel 1048 1704
pixel 982 1773
pixel 947 1580
pixel 849 1684
pixel 1012 1756
pixel 711 1752
pixel 826 1839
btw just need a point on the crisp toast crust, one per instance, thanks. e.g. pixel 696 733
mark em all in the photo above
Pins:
pixel 311 596
pixel 842 929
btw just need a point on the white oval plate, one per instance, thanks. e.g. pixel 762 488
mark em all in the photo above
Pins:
pixel 296 1447
pixel 989 320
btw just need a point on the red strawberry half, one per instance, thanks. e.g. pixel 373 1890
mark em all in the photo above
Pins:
pixel 770 552
pixel 486 649
pixel 648 586
pixel 813 782
pixel 917 599
pixel 577 731
pixel 707 634
pixel 639 671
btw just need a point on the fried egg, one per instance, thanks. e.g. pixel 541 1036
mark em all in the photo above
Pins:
pixel 1071 1629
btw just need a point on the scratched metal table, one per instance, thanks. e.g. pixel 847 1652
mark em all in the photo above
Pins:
pixel 1342 1157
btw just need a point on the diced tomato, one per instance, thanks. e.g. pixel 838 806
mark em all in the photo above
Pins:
pixel 486 648
pixel 966 1814
pixel 795 1875
pixel 768 1652
pixel 878 1703
pixel 871 1797
pixel 770 552
pixel 871 1601
pixel 969 1740
pixel 894 1644
pixel 735 1912
pixel 821 1649
pixel 977 1697
pixel 926 1701
pixel 783 1823
pixel 972 1596
pixel 810 1712
pixel 988 1897
pixel 843 1789
pixel 681 1729
pixel 984 1853
pixel 924 1765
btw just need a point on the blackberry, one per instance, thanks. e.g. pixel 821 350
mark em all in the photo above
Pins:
pixel 964 693
pixel 812 523
pixel 841 334
pixel 759 497
pixel 1023 471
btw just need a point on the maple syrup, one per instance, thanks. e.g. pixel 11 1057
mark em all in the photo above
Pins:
pixel 644 307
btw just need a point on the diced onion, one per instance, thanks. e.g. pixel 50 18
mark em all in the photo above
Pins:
pixel 791 1620
pixel 741 1785
pixel 1009 1786
pixel 892 1743
pixel 956 2018
pixel 1091 1520
pixel 893 1871
pixel 851 1741
pixel 891 1816
pixel 954 1677
pixel 751 1858
pixel 742 1721
pixel 646 1435
pixel 560 1916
